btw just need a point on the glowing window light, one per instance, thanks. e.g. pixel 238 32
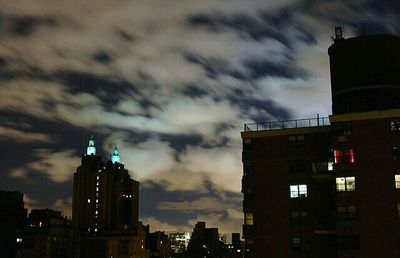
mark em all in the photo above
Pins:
pixel 344 156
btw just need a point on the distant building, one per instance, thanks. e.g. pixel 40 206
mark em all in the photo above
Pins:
pixel 47 235
pixel 235 249
pixel 331 187
pixel 204 242
pixel 12 221
pixel 158 244
pixel 179 242
pixel 105 209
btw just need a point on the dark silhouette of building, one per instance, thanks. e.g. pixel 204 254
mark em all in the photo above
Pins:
pixel 204 242
pixel 331 187
pixel 12 221
pixel 47 235
pixel 105 208
pixel 235 249
pixel 158 244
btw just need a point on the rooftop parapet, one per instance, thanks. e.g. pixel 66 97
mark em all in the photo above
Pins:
pixel 287 124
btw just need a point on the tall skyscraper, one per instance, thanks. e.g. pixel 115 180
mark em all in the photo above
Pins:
pixel 330 187
pixel 105 208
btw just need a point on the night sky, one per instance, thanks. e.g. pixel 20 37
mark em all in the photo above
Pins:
pixel 171 83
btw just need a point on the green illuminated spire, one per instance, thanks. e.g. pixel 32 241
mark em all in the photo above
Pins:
pixel 91 149
pixel 115 156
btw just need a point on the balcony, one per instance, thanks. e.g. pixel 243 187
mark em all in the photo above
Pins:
pixel 287 124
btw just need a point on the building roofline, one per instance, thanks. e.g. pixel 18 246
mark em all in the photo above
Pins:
pixel 288 131
pixel 365 115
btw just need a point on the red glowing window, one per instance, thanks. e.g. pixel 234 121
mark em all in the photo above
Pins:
pixel 344 156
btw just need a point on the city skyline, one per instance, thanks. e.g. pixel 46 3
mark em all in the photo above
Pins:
pixel 171 84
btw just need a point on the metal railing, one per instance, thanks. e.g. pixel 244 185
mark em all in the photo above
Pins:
pixel 277 125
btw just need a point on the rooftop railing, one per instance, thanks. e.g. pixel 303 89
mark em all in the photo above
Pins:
pixel 277 125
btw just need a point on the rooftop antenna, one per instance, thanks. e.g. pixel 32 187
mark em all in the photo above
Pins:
pixel 338 34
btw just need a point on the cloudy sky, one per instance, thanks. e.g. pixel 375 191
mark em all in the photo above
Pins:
pixel 171 83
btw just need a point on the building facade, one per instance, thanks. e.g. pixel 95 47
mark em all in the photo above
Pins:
pixel 47 235
pixel 12 221
pixel 204 242
pixel 105 208
pixel 330 187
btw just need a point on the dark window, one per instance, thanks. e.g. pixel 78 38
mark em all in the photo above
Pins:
pixel 296 141
pixel 300 244
pixel 396 152
pixel 342 129
pixel 248 194
pixel 323 166
pixel 395 125
pixel 348 242
pixel 249 243
pixel 346 212
pixel 299 216
pixel 398 210
pixel 297 166
pixel 247 144
pixel 248 169
pixel 344 156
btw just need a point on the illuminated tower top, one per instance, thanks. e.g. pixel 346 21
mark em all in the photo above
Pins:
pixel 114 157
pixel 91 149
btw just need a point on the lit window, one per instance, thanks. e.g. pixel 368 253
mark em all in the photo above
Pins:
pixel 248 219
pixel 395 125
pixel 297 191
pixel 330 164
pixel 396 152
pixel 97 189
pixel 397 181
pixel 344 156
pixel 97 177
pixel 88 200
pixel 19 240
pixel 344 184
pixel 96 212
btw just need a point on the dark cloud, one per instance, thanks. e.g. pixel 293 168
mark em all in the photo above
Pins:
pixel 152 194
pixel 213 67
pixel 193 91
pixel 126 36
pixel 3 62
pixel 181 142
pixel 102 57
pixel 264 67
pixel 109 90
pixel 26 25
pixel 265 25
